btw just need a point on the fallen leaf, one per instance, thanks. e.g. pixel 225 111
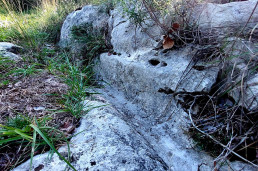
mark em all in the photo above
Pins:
pixel 67 127
pixel 167 42
pixel 175 26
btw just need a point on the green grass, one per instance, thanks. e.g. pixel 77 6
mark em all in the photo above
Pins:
pixel 23 129
pixel 33 29
pixel 77 77
pixel 32 131
pixel 92 39
pixel 37 26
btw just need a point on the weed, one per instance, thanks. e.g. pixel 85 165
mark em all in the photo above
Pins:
pixel 31 131
pixel 91 38
pixel 39 25
pixel 5 64
pixel 78 78
pixel 26 70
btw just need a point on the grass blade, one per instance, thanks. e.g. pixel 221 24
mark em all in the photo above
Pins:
pixel 51 145
pixel 33 147
pixel 9 140
pixel 27 137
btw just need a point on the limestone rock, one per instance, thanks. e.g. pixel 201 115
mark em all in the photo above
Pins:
pixel 139 125
pixel 166 133
pixel 121 137
pixel 228 16
pixel 241 51
pixel 243 59
pixel 127 38
pixel 147 77
pixel 94 15
pixel 10 50
pixel 104 142
pixel 248 99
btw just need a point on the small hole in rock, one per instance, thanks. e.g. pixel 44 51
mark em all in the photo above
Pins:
pixel 154 62
pixel 163 64
pixel 166 90
pixel 40 167
pixel 93 163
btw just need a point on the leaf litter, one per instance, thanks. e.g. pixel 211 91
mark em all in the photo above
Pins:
pixel 34 96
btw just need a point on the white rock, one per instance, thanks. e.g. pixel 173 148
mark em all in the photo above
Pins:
pixel 243 57
pixel 127 38
pixel 88 14
pixel 248 99
pixel 234 14
pixel 148 78
pixel 39 108
pixel 10 50
pixel 140 126
pixel 104 142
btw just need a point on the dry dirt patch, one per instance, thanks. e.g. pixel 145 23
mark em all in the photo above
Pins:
pixel 34 96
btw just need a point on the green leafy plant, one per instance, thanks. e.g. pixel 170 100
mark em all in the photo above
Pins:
pixel 5 65
pixel 26 70
pixel 92 38
pixel 32 131
pixel 36 30
pixel 78 78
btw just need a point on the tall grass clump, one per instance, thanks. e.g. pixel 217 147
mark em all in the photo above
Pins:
pixel 31 133
pixel 37 25
pixel 78 78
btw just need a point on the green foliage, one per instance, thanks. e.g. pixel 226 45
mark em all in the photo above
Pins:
pixel 134 10
pixel 48 141
pixel 32 131
pixel 19 122
pixel 33 29
pixel 22 5
pixel 5 64
pixel 26 70
pixel 93 40
pixel 38 26
pixel 78 78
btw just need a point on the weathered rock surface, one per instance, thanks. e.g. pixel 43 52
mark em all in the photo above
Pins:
pixel 123 137
pixel 247 95
pixel 94 15
pixel 142 127
pixel 227 16
pixel 243 59
pixel 10 50
pixel 105 142
pixel 127 38
pixel 148 78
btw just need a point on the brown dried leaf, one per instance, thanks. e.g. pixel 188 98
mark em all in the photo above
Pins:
pixel 175 26
pixel 167 42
